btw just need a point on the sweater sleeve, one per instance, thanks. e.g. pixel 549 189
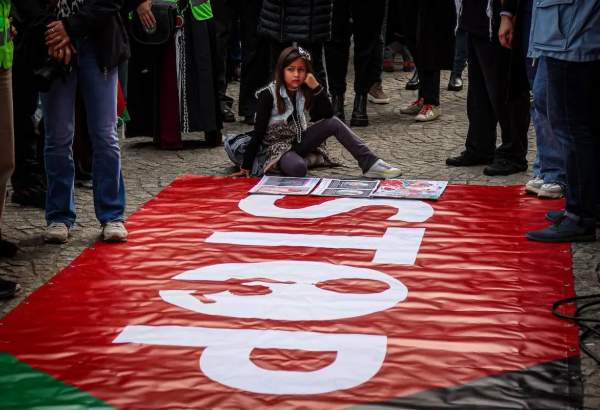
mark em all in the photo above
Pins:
pixel 263 115
pixel 321 105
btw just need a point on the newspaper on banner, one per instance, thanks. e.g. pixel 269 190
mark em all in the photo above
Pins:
pixel 276 185
pixel 410 189
pixel 346 188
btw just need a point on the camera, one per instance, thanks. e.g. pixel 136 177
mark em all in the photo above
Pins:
pixel 49 72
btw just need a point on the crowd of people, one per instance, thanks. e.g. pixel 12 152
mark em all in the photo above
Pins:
pixel 71 71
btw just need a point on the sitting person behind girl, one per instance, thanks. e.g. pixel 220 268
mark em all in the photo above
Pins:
pixel 281 127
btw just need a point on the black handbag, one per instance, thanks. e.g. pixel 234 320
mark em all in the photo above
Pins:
pixel 165 14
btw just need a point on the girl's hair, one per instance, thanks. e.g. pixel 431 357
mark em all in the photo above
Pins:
pixel 287 57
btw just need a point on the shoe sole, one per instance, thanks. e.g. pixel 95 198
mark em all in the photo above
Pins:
pixel 409 112
pixel 532 191
pixel 378 100
pixel 114 238
pixel 547 195
pixel 578 238
pixel 359 123
pixel 455 88
pixel 55 240
pixel 411 87
pixel 417 119
pixel 372 176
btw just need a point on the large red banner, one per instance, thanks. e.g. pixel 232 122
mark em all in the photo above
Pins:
pixel 226 300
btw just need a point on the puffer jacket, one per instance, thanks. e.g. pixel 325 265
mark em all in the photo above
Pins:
pixel 296 20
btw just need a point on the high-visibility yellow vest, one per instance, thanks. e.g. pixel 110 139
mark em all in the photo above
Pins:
pixel 6 45
pixel 201 9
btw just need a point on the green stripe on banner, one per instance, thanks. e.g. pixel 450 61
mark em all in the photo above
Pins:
pixel 23 387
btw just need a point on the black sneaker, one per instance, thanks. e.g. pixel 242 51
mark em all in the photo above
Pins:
pixel 465 159
pixel 228 115
pixel 8 289
pixel 564 230
pixel 504 167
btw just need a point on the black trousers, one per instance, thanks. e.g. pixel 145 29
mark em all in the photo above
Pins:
pixel 29 169
pixel 255 50
pixel 367 20
pixel 488 104
pixel 429 86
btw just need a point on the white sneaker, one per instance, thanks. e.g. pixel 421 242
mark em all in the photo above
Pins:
pixel 428 113
pixel 413 108
pixel 552 191
pixel 114 232
pixel 382 170
pixel 56 232
pixel 534 185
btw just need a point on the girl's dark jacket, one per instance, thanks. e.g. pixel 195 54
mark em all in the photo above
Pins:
pixel 296 20
pixel 98 20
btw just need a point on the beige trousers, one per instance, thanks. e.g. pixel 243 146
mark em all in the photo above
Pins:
pixel 7 145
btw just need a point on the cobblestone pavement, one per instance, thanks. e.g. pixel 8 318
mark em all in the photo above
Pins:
pixel 420 150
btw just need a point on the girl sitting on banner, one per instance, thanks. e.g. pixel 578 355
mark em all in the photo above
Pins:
pixel 281 133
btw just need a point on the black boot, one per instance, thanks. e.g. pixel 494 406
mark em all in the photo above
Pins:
pixel 213 138
pixel 455 83
pixel 337 101
pixel 413 83
pixel 359 113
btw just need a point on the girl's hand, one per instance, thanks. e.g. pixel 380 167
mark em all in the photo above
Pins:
pixel 144 10
pixel 241 173
pixel 311 81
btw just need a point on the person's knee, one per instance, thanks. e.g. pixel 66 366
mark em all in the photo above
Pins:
pixel 293 165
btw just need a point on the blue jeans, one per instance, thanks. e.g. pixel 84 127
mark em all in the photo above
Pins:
pixel 574 114
pixel 549 162
pixel 99 91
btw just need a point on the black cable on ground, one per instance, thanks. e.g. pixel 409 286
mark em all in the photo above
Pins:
pixel 589 325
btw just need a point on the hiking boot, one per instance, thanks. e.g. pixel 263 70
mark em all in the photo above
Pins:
pixel 551 191
pixel 465 159
pixel 503 167
pixel 564 230
pixel 359 113
pixel 56 232
pixel 555 216
pixel 114 231
pixel 533 185
pixel 377 96
pixel 413 108
pixel 382 170
pixel 428 113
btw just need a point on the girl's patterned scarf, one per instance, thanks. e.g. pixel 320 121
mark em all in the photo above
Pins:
pixel 489 12
pixel 67 8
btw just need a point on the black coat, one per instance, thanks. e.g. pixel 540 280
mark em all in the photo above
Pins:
pixel 434 37
pixel 97 19
pixel 296 20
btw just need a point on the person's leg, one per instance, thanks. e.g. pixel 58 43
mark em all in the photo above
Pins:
pixel 7 154
pixel 317 133
pixel 481 135
pixel 513 116
pixel 28 179
pixel 255 52
pixel 550 154
pixel 337 51
pixel 573 114
pixel 429 89
pixel 367 43
pixel 100 97
pixel 292 164
pixel 572 110
pixel 58 106
pixel 460 53
pixel 223 16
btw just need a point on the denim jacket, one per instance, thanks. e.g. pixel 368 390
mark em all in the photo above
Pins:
pixel 289 108
pixel 566 30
